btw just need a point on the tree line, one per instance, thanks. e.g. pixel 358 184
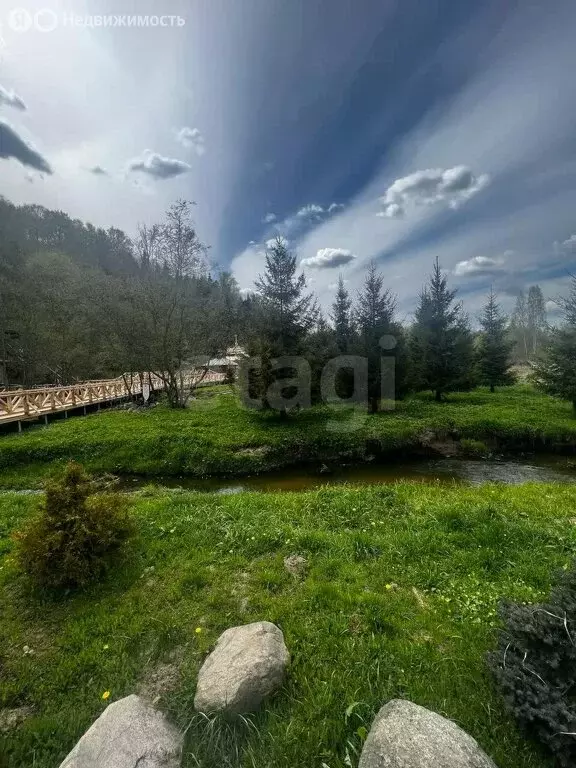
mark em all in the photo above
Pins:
pixel 77 303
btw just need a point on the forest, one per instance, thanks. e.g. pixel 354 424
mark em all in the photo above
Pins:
pixel 79 303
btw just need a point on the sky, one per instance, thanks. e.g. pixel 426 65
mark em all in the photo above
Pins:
pixel 389 130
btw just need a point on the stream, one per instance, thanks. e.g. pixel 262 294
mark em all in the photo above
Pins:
pixel 444 470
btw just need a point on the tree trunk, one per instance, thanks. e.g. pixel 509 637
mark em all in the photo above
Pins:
pixel 373 405
pixel 438 396
pixel 492 388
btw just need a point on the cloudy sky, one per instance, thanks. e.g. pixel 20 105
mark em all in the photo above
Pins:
pixel 394 130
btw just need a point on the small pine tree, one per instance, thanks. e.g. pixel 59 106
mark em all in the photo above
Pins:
pixel 555 373
pixel 494 347
pixel 379 335
pixel 441 342
pixel 77 535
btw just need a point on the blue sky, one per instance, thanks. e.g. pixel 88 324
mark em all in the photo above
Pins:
pixel 395 131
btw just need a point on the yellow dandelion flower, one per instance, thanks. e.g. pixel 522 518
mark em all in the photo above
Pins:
pixel 106 695
pixel 198 630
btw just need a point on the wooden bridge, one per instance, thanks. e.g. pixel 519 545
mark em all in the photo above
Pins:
pixel 18 405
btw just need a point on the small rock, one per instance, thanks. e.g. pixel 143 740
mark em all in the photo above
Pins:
pixel 247 664
pixel 405 735
pixel 296 564
pixel 129 732
pixel 12 718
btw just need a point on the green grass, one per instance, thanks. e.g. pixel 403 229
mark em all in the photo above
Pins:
pixel 399 601
pixel 216 436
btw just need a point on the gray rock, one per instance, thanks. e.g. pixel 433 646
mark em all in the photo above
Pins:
pixel 405 735
pixel 296 565
pixel 247 664
pixel 128 733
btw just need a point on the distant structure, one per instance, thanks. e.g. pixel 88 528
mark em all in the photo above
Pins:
pixel 231 360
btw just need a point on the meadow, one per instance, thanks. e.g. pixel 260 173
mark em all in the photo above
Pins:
pixel 215 435
pixel 399 599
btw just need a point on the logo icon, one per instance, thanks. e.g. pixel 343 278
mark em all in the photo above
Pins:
pixel 20 20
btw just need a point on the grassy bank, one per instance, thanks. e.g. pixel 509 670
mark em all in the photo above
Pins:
pixel 215 435
pixel 399 600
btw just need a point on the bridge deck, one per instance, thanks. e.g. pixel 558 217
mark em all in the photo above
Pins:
pixel 28 404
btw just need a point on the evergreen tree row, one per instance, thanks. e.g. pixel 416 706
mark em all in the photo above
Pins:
pixel 439 352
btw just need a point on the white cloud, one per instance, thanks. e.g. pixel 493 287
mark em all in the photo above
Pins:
pixel 566 246
pixel 326 258
pixel 97 170
pixel 318 212
pixel 269 218
pixel 479 265
pixel 191 138
pixel 311 211
pixel 11 99
pixel 452 186
pixel 157 166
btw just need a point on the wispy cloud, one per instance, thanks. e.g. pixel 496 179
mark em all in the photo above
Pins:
pixel 191 138
pixel 12 145
pixel 97 170
pixel 11 99
pixel 158 167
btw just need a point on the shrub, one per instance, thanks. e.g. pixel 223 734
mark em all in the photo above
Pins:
pixel 77 534
pixel 535 667
pixel 474 448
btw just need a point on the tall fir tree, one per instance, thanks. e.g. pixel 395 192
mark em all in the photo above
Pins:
pixel 287 314
pixel 494 346
pixel 441 342
pixel 380 336
pixel 555 373
pixel 342 318
pixel 344 338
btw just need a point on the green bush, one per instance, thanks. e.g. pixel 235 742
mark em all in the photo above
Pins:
pixel 535 667
pixel 77 534
pixel 474 448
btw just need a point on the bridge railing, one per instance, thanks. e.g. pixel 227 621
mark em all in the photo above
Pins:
pixel 22 404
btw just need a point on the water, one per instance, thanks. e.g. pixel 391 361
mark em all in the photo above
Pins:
pixel 443 470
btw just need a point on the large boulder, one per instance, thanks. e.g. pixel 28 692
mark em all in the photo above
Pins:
pixel 404 735
pixel 128 733
pixel 247 664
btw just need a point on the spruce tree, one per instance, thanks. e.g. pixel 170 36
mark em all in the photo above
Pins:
pixel 344 338
pixel 556 372
pixel 286 313
pixel 494 346
pixel 441 341
pixel 342 318
pixel 379 336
